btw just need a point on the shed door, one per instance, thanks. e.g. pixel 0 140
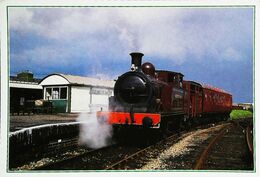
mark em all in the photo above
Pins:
pixel 80 99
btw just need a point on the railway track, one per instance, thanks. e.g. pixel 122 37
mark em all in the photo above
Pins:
pixel 204 155
pixel 249 139
pixel 101 159
pixel 139 158
pixel 148 158
pixel 116 157
pixel 130 157
pixel 97 159
pixel 222 147
pixel 227 150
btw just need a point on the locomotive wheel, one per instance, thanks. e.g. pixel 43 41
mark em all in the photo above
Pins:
pixel 165 130
pixel 189 123
pixel 134 136
pixel 181 125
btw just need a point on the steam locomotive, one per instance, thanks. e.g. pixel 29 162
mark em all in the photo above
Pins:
pixel 147 98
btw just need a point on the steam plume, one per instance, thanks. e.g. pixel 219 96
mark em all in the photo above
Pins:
pixel 93 133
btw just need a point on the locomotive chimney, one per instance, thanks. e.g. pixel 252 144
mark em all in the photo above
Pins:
pixel 136 60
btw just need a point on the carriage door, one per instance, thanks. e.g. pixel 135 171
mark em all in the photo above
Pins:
pixel 199 102
pixel 192 100
pixel 193 105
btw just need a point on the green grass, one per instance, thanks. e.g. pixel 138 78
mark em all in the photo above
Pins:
pixel 238 114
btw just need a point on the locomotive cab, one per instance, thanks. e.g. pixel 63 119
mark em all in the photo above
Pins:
pixel 172 78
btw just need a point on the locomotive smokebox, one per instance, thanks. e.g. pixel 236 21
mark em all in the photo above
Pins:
pixel 136 60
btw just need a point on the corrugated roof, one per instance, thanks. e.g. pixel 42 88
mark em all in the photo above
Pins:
pixel 17 79
pixel 80 80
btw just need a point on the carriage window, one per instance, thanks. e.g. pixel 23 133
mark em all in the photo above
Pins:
pixel 181 79
pixel 192 88
pixel 171 78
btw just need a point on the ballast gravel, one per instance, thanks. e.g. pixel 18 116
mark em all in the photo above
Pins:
pixel 184 146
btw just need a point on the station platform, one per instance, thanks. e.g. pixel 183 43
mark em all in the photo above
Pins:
pixel 19 122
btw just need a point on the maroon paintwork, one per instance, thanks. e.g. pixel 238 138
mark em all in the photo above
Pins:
pixel 216 100
pixel 172 100
pixel 194 98
pixel 206 100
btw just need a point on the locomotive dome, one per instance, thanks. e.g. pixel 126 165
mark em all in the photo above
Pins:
pixel 148 69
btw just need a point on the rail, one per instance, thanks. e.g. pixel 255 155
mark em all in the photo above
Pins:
pixel 249 139
pixel 201 160
pixel 123 163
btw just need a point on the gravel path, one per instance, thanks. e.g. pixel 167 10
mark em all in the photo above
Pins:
pixel 167 159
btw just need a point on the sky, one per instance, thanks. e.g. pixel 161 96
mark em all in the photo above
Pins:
pixel 208 45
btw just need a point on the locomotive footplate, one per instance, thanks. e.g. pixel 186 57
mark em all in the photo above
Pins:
pixel 124 118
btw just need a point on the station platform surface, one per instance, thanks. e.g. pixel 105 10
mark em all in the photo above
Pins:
pixel 18 122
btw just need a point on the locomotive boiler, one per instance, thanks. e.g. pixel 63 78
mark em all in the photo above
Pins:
pixel 147 98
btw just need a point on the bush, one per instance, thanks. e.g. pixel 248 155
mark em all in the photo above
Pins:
pixel 238 114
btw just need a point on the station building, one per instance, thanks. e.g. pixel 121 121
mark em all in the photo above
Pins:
pixel 73 94
pixel 23 87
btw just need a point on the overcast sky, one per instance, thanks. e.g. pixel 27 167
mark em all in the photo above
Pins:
pixel 208 45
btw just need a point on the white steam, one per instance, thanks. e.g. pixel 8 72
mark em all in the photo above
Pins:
pixel 93 133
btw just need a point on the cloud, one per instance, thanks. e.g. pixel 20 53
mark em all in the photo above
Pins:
pixel 20 18
pixel 172 34
pixel 231 54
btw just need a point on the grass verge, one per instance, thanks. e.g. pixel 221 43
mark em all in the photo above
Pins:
pixel 238 114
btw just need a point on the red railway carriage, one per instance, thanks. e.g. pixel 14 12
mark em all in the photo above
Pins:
pixel 194 98
pixel 205 100
pixel 216 101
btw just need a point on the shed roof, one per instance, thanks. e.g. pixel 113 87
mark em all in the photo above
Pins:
pixel 16 82
pixel 17 79
pixel 80 80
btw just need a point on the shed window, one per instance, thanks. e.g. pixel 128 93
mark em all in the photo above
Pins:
pixel 55 93
pixel 48 93
pixel 63 93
